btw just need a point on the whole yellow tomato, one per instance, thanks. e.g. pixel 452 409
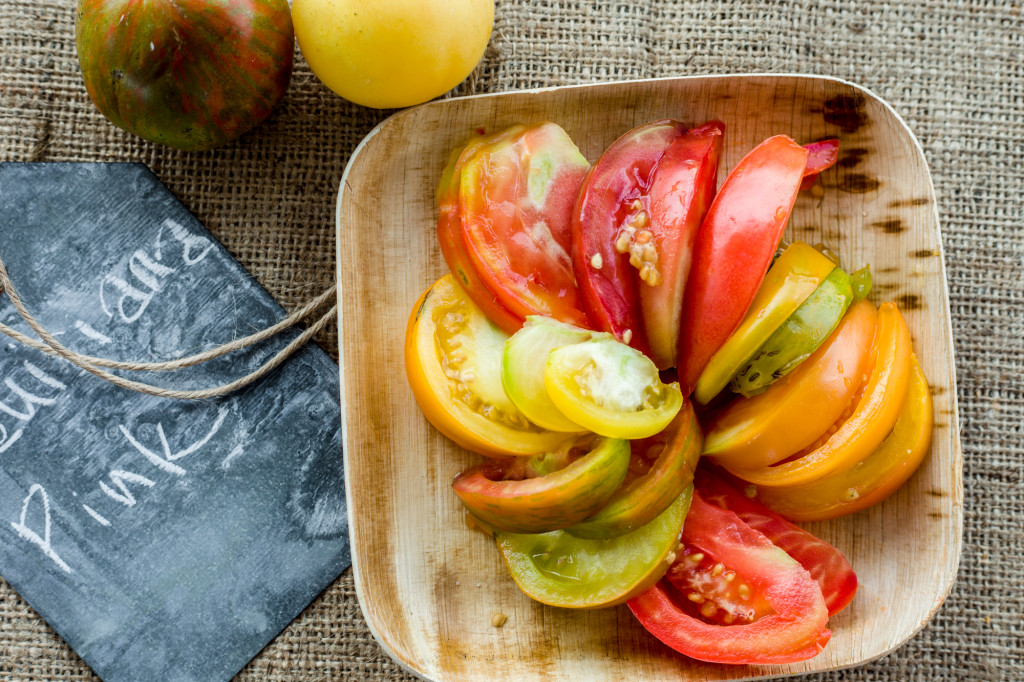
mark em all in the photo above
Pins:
pixel 392 53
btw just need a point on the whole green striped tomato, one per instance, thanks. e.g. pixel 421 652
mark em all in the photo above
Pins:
pixel 191 74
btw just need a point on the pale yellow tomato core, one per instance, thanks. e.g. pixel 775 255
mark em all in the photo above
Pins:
pixel 392 53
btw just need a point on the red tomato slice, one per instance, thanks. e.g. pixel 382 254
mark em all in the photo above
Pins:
pixel 449 236
pixel 516 197
pixel 825 563
pixel 794 630
pixel 683 186
pixel 612 197
pixel 734 248
pixel 820 156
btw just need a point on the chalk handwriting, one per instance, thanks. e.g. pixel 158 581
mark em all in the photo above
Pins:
pixel 43 541
pixel 27 402
pixel 124 496
pixel 166 462
pixel 148 275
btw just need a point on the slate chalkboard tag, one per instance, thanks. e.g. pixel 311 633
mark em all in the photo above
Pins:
pixel 162 539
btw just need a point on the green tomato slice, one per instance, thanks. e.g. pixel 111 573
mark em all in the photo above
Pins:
pixel 522 369
pixel 559 569
pixel 564 495
pixel 800 335
pixel 611 389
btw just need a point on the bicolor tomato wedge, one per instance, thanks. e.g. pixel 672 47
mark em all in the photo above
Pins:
pixel 516 196
pixel 734 597
pixel 550 491
pixel 449 236
pixel 825 563
pixel 681 190
pixel 612 199
pixel 734 248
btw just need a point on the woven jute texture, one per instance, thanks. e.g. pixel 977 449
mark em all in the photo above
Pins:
pixel 954 70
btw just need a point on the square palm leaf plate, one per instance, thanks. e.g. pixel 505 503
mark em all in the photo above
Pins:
pixel 428 585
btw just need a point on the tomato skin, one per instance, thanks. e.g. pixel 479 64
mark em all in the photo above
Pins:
pixel 682 188
pixel 797 409
pixel 734 249
pixel 820 157
pixel 439 395
pixel 607 282
pixel 516 195
pixel 638 502
pixel 825 563
pixel 795 632
pixel 449 234
pixel 549 502
pixel 190 74
pixel 872 420
pixel 872 479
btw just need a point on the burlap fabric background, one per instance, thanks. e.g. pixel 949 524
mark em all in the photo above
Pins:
pixel 953 70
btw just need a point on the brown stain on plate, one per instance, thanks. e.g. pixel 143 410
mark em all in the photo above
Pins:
pixel 852 157
pixel 847 112
pixel 925 253
pixel 858 183
pixel 890 226
pixel 909 302
pixel 902 203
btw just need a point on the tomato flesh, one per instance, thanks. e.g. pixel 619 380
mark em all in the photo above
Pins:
pixel 734 248
pixel 516 196
pixel 449 235
pixel 820 157
pixel 453 364
pixel 611 389
pixel 682 188
pixel 613 197
pixel 825 563
pixel 795 631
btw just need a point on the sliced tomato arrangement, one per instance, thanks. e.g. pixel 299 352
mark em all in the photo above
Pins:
pixel 586 304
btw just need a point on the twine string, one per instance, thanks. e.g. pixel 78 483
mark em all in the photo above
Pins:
pixel 95 365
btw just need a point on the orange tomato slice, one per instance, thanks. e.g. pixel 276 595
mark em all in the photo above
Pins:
pixel 871 421
pixel 874 478
pixel 453 362
pixel 797 409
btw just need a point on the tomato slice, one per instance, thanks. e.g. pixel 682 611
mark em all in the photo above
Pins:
pixel 794 631
pixel 820 157
pixel 611 389
pixel 799 336
pixel 559 569
pixel 613 198
pixel 792 278
pixel 795 411
pixel 682 188
pixel 825 563
pixel 566 495
pixel 522 369
pixel 449 234
pixel 734 248
pixel 871 421
pixel 516 196
pixel 453 363
pixel 640 500
pixel 872 479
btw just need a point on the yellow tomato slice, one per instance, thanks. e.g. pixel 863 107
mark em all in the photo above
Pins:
pixel 791 279
pixel 611 389
pixel 874 478
pixel 871 421
pixel 453 362
pixel 799 407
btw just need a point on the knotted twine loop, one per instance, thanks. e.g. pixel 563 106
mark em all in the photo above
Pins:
pixel 95 365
